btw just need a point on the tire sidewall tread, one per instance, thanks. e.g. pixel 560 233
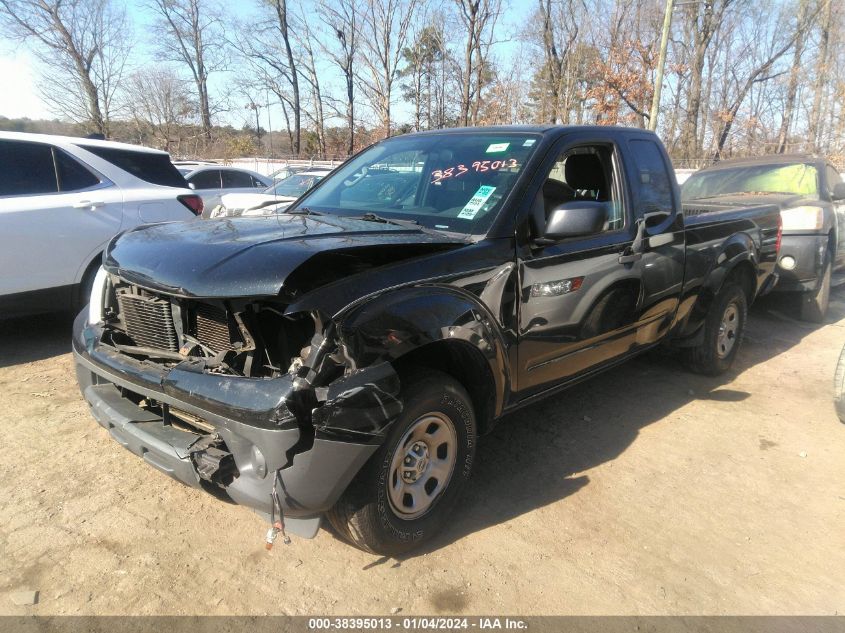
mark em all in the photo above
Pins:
pixel 363 515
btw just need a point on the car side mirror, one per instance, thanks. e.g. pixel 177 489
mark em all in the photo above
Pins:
pixel 838 191
pixel 571 219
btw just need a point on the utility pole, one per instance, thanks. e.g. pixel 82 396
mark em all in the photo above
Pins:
pixel 661 63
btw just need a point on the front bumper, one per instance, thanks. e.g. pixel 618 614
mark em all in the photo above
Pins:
pixel 249 415
pixel 808 253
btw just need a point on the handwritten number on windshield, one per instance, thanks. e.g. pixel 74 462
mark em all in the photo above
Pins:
pixel 480 166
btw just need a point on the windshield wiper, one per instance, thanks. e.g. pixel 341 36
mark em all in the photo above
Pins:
pixel 301 211
pixel 372 217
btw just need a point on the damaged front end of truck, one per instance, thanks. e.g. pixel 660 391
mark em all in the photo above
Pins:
pixel 250 398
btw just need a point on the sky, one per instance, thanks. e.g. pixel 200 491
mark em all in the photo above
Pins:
pixel 19 70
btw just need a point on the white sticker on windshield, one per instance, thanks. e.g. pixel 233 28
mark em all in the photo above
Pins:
pixel 497 147
pixel 476 202
pixel 529 142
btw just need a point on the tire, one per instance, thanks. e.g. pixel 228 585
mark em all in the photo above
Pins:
pixel 814 302
pixel 839 387
pixel 724 329
pixel 386 513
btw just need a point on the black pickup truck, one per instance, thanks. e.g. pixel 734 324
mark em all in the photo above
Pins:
pixel 341 358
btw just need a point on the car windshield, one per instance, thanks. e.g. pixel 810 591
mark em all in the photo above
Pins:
pixel 799 178
pixel 294 186
pixel 449 182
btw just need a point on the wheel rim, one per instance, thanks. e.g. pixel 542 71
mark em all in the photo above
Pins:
pixel 727 331
pixel 422 465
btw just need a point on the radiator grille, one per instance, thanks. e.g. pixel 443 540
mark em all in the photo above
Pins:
pixel 148 321
pixel 213 327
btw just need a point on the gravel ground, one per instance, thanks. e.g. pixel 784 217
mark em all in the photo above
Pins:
pixel 644 491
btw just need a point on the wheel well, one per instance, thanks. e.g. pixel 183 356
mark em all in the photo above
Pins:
pixel 465 364
pixel 92 267
pixel 743 274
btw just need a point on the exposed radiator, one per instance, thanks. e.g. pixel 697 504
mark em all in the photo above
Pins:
pixel 213 327
pixel 148 321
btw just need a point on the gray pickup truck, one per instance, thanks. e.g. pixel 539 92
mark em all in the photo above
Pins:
pixel 811 196
pixel 339 359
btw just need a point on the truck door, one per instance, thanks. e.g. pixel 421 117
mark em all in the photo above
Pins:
pixel 589 300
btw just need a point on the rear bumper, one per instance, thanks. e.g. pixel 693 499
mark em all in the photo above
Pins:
pixel 808 253
pixel 250 416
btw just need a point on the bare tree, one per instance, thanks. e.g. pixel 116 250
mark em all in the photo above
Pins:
pixel 802 26
pixel 703 20
pixel 821 75
pixel 190 34
pixel 161 107
pixel 265 45
pixel 478 19
pixel 83 43
pixel 385 31
pixel 764 45
pixel 343 20
pixel 316 113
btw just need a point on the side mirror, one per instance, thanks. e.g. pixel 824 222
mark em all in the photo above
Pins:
pixel 571 219
pixel 838 191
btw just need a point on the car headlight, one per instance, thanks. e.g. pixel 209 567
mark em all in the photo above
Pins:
pixel 802 219
pixel 98 295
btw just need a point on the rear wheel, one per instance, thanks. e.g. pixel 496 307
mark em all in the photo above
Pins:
pixel 724 329
pixel 814 302
pixel 404 494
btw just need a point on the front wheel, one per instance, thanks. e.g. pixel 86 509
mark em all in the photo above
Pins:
pixel 724 329
pixel 405 492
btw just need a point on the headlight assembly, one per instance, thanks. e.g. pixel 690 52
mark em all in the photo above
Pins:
pixel 802 219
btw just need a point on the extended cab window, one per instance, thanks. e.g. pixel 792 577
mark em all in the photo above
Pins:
pixel 27 169
pixel 653 187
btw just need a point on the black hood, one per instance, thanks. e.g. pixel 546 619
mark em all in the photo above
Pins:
pixel 248 257
pixel 783 200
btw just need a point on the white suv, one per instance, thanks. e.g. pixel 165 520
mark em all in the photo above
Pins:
pixel 61 200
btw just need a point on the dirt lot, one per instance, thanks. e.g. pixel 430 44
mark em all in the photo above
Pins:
pixel 645 491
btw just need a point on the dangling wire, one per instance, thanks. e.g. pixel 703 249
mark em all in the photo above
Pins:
pixel 277 525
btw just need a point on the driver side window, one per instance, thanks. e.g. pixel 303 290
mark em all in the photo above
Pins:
pixel 583 173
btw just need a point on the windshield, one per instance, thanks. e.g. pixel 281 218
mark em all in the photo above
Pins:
pixel 800 178
pixel 450 182
pixel 294 186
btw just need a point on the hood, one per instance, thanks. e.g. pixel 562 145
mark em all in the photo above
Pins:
pixel 250 257
pixel 783 200
pixel 240 201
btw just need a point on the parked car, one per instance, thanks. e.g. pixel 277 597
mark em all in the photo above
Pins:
pixel 61 200
pixel 288 170
pixel 212 181
pixel 811 195
pixel 273 199
pixel 339 359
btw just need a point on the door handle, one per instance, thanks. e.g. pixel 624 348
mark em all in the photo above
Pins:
pixel 629 257
pixel 88 204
